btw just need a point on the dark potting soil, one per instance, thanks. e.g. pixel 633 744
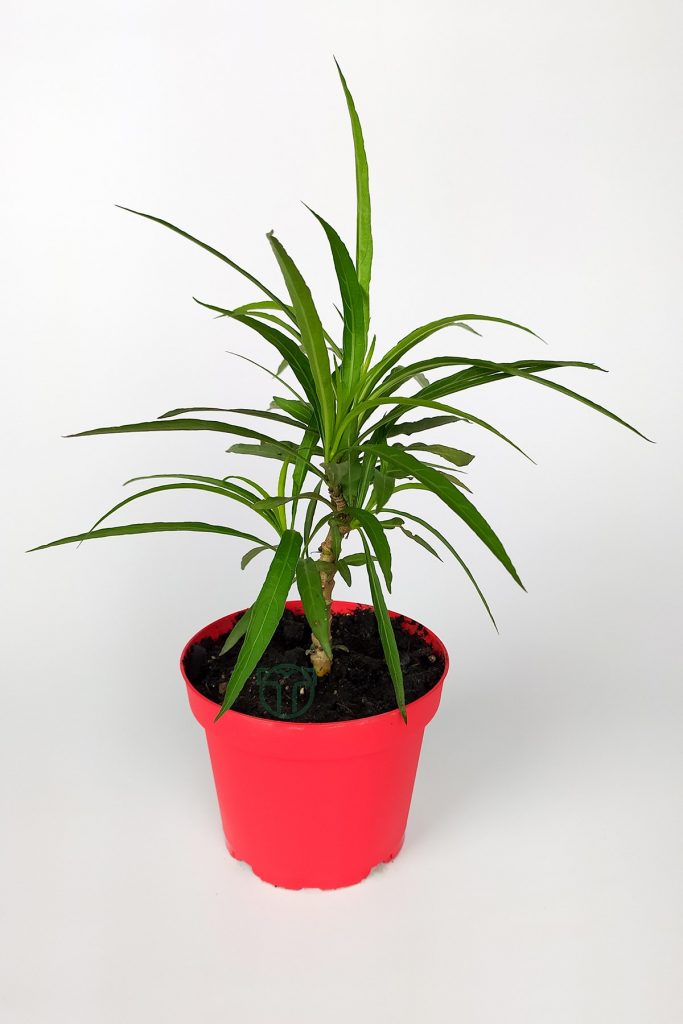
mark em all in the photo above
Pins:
pixel 284 685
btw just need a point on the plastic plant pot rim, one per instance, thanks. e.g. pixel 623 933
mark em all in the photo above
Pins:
pixel 419 710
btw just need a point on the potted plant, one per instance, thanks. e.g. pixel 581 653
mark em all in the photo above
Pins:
pixel 314 710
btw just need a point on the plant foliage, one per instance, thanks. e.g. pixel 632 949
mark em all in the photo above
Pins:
pixel 354 457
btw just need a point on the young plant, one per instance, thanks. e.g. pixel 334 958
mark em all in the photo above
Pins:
pixel 356 456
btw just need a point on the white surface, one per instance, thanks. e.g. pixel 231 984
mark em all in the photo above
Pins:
pixel 525 160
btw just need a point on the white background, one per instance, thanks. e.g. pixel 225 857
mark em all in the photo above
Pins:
pixel 525 160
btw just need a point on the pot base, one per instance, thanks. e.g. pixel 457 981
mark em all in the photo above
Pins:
pixel 263 875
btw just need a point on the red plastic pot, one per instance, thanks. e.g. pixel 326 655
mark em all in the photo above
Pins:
pixel 314 805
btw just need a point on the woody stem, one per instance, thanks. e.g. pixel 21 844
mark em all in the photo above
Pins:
pixel 319 659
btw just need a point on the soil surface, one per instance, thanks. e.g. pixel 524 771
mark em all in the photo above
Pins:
pixel 284 685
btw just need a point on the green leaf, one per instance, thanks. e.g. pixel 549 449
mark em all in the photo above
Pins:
pixel 301 467
pixel 579 398
pixel 222 490
pixel 344 571
pixel 261 304
pixel 354 339
pixel 258 413
pixel 446 471
pixel 419 403
pixel 479 371
pixel 178 424
pixel 275 376
pixel 357 558
pixel 236 633
pixel 298 410
pixel 310 512
pixel 279 450
pixel 452 497
pixel 363 213
pixel 246 480
pixel 267 414
pixel 251 554
pixel 375 533
pixel 279 304
pixel 312 337
pixel 420 334
pixel 135 528
pixel 391 524
pixel 265 614
pixel 453 455
pixel 310 588
pixel 449 547
pixel 386 632
pixel 277 502
pixel 282 324
pixel 417 426
pixel 296 357
pixel 383 486
pixel 233 490
pixel 483 371
pixel 421 541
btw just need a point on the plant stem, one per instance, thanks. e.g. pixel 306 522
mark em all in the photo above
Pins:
pixel 319 659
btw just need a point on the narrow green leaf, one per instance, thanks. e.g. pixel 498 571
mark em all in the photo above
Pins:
pixel 267 414
pixel 419 403
pixel 417 426
pixel 312 336
pixel 391 524
pixel 444 451
pixel 297 357
pixel 277 502
pixel 265 614
pixel 310 512
pixel 421 541
pixel 263 414
pixel 452 497
pixel 279 450
pixel 357 558
pixel 375 533
pixel 455 383
pixel 221 490
pixel 251 554
pixel 135 528
pixel 236 633
pixel 383 488
pixel 233 490
pixel 449 547
pixel 310 588
pixel 363 212
pixel 298 410
pixel 175 424
pixel 306 449
pixel 276 376
pixel 344 571
pixel 421 334
pixel 580 398
pixel 246 480
pixel 354 339
pixel 279 304
pixel 478 372
pixel 386 632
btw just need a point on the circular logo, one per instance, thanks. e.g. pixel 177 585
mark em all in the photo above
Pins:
pixel 286 691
